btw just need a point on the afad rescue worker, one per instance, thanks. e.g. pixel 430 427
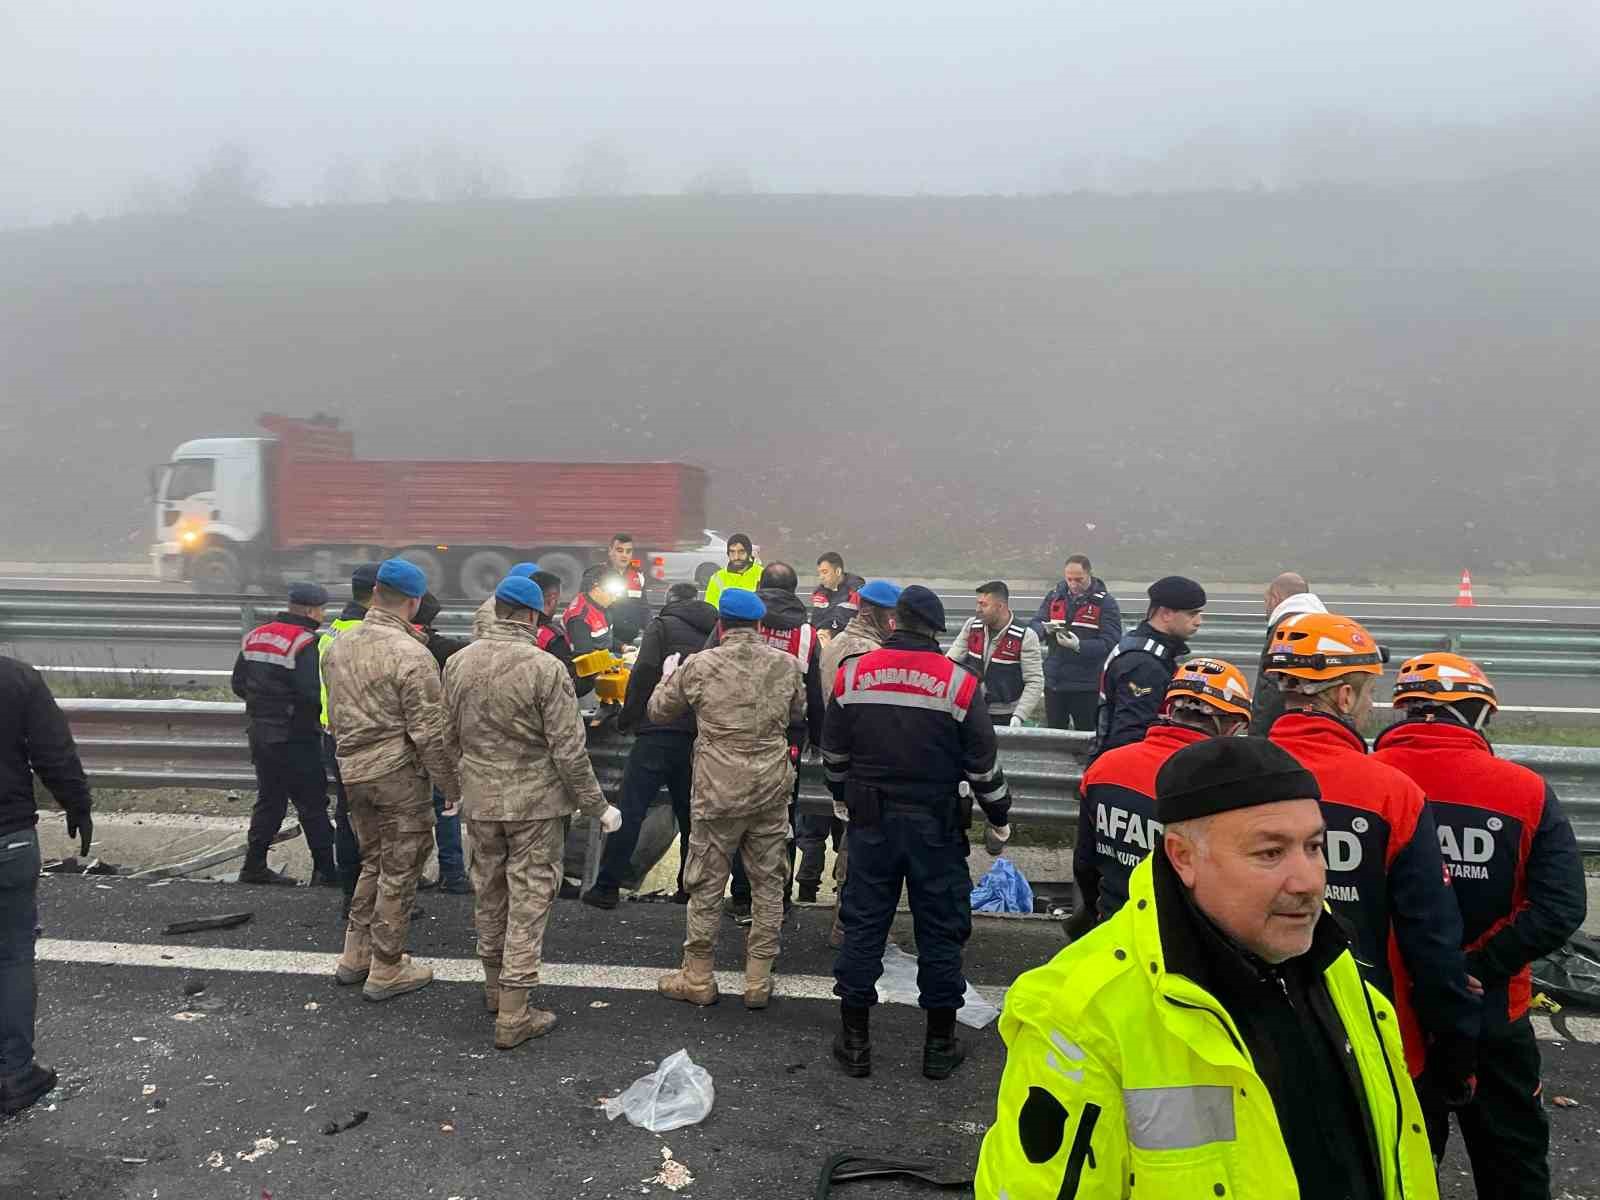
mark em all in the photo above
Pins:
pixel 785 627
pixel 631 612
pixel 1079 623
pixel 837 597
pixel 743 570
pixel 512 725
pixel 1134 680
pixel 1004 654
pixel 276 676
pixel 746 698
pixel 1517 876
pixel 386 714
pixel 346 852
pixel 906 728
pixel 867 631
pixel 662 756
pixel 586 621
pixel 1386 879
pixel 1214 1038
pixel 1117 824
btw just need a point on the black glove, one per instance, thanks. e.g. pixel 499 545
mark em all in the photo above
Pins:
pixel 1452 1070
pixel 81 826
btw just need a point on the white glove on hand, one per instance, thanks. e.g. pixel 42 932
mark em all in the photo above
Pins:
pixel 840 811
pixel 670 664
pixel 611 819
pixel 1016 720
pixel 995 838
pixel 1067 640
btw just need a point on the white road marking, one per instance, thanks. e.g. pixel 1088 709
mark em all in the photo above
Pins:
pixel 593 976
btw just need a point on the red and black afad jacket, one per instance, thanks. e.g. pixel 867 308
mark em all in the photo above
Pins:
pixel 1117 824
pixel 1387 882
pixel 587 626
pixel 1514 861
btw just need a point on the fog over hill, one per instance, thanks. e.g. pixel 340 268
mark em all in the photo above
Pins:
pixel 1344 379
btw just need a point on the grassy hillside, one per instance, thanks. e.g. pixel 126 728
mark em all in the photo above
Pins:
pixel 1350 381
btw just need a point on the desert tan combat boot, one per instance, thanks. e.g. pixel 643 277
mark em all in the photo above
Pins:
pixel 356 960
pixel 388 980
pixel 757 982
pixel 491 986
pixel 692 982
pixel 516 1022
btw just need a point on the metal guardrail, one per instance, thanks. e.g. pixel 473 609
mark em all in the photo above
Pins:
pixel 1509 647
pixel 190 743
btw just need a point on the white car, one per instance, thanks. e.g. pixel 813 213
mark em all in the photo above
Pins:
pixel 690 566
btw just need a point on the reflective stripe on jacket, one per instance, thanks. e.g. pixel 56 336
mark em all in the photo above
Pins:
pixel 1124 1080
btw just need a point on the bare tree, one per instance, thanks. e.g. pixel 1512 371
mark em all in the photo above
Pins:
pixel 149 195
pixel 456 173
pixel 599 168
pixel 228 180
pixel 346 180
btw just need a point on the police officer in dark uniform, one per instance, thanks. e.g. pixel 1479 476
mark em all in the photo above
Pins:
pixel 837 597
pixel 631 612
pixel 277 677
pixel 1517 875
pixel 1135 678
pixel 906 728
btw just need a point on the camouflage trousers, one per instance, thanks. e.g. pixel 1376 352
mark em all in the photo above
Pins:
pixel 761 841
pixel 516 872
pixel 393 821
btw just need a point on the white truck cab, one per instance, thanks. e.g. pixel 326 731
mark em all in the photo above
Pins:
pixel 212 490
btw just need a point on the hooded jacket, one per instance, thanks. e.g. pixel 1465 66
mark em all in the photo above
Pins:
pixel 677 631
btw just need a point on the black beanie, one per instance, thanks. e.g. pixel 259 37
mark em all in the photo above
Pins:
pixel 1176 592
pixel 1225 773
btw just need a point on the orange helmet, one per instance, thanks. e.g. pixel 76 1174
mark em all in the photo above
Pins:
pixel 1438 677
pixel 1318 646
pixel 1211 681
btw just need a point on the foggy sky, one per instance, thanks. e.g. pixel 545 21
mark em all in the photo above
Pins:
pixel 896 96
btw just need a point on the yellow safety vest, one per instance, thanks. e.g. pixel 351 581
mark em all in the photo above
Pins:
pixel 1134 1081
pixel 723 579
pixel 324 640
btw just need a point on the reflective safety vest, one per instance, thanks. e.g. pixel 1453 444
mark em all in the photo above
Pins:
pixel 746 579
pixel 1122 1080
pixel 324 640
pixel 1002 671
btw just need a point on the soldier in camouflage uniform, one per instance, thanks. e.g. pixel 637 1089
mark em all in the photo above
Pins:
pixel 484 616
pixel 387 721
pixel 512 725
pixel 749 701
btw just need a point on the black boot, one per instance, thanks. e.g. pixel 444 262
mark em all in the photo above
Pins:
pixel 852 1045
pixel 21 1091
pixel 942 1051
pixel 255 870
pixel 323 871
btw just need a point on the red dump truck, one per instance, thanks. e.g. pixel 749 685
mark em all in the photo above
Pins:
pixel 298 504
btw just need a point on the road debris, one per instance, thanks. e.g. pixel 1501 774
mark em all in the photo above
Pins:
pixel 134 1162
pixel 264 1145
pixel 332 1127
pixel 193 987
pixel 186 1015
pixel 447 1128
pixel 148 1090
pixel 199 924
pixel 1566 1102
pixel 677 1093
pixel 214 1159
pixel 673 1175
pixel 599 1004
pixel 312 1006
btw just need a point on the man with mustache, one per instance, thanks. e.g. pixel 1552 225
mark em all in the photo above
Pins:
pixel 1214 1037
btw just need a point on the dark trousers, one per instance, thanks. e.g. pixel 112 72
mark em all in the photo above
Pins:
pixel 346 850
pixel 1506 1129
pixel 1071 710
pixel 927 854
pixel 285 772
pixel 812 832
pixel 739 888
pixel 19 926
pixel 447 837
pixel 663 759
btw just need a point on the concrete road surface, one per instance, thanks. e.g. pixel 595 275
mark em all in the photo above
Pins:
pixel 224 1093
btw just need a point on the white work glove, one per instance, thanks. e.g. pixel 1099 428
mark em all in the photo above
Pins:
pixel 840 810
pixel 995 838
pixel 611 819
pixel 1067 640
pixel 670 664
pixel 1016 720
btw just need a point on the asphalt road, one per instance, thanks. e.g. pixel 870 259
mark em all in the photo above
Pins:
pixel 156 1106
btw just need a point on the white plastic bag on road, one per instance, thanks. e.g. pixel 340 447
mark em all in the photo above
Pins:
pixel 676 1094
pixel 898 985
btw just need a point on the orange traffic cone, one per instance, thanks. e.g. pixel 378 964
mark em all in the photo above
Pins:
pixel 1464 593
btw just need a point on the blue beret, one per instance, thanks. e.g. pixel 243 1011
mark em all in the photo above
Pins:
pixel 922 603
pixel 741 605
pixel 364 577
pixel 311 595
pixel 523 570
pixel 521 591
pixel 403 577
pixel 881 592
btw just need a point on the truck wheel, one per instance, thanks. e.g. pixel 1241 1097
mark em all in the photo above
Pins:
pixel 704 572
pixel 428 563
pixel 481 571
pixel 565 565
pixel 216 572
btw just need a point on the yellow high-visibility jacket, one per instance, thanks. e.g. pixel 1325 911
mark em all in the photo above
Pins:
pixel 324 640
pixel 724 579
pixel 1145 1076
